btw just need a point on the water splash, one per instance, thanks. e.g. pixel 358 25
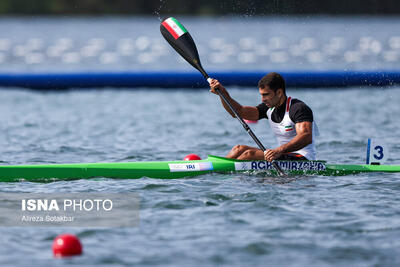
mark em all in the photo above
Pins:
pixel 158 11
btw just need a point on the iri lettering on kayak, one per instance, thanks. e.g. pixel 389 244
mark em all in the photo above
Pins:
pixel 190 167
pixel 181 167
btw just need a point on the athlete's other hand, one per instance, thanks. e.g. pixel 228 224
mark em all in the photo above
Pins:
pixel 272 154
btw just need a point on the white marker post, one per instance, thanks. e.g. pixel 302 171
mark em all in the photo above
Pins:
pixel 377 152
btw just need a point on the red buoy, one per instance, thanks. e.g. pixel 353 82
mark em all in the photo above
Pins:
pixel 192 157
pixel 66 245
pixel 249 121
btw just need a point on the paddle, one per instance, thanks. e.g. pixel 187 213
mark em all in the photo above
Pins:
pixel 179 38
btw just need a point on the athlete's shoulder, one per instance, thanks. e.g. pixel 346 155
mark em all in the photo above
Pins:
pixel 298 104
pixel 262 111
pixel 300 111
pixel 296 101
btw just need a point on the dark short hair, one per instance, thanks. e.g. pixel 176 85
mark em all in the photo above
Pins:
pixel 274 81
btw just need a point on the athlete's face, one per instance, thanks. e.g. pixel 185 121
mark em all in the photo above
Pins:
pixel 269 97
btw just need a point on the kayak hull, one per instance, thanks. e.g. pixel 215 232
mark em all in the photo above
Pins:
pixel 176 169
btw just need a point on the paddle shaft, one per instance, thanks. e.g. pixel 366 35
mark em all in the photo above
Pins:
pixel 244 124
pixel 232 108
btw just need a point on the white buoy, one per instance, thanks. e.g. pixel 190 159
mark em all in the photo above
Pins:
pixel 394 42
pixel 276 43
pixel 216 43
pixel 64 43
pixel 247 57
pixel 296 50
pixel 159 49
pixel 2 58
pixel 352 56
pixel 308 43
pixel 218 58
pixel 125 47
pixel 142 43
pixel 71 58
pixel 230 49
pixel 34 44
pixel 34 58
pixel 89 51
pixel 54 51
pixel 262 50
pixel 145 58
pixel 5 44
pixel 247 43
pixel 20 51
pixel 391 56
pixel 314 57
pixel 108 57
pixel 279 57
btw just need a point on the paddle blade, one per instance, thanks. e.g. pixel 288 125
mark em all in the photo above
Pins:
pixel 179 38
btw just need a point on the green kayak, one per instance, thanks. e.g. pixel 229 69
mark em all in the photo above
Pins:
pixel 177 169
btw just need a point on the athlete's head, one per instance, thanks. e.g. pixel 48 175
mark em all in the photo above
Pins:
pixel 273 81
pixel 272 89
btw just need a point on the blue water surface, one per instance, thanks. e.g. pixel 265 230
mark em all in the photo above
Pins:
pixel 215 219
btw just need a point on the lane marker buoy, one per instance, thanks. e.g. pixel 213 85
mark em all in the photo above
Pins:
pixel 66 245
pixel 192 157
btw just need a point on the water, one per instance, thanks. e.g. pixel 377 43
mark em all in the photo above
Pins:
pixel 215 219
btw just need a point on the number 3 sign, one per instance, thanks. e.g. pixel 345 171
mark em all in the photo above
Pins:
pixel 377 152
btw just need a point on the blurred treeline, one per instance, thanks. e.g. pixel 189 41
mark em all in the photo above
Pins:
pixel 197 7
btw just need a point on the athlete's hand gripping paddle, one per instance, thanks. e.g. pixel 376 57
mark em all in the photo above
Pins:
pixel 179 38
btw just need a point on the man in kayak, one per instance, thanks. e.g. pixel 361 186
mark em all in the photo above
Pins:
pixel 291 120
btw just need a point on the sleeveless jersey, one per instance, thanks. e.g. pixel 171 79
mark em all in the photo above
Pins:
pixel 285 131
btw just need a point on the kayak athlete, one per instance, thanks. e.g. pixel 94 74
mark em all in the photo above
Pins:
pixel 291 120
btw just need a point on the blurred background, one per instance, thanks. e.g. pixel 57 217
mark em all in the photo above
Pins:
pixel 102 37
pixel 45 36
pixel 205 7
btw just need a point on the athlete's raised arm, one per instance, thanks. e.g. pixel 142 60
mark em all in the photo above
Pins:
pixel 246 112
